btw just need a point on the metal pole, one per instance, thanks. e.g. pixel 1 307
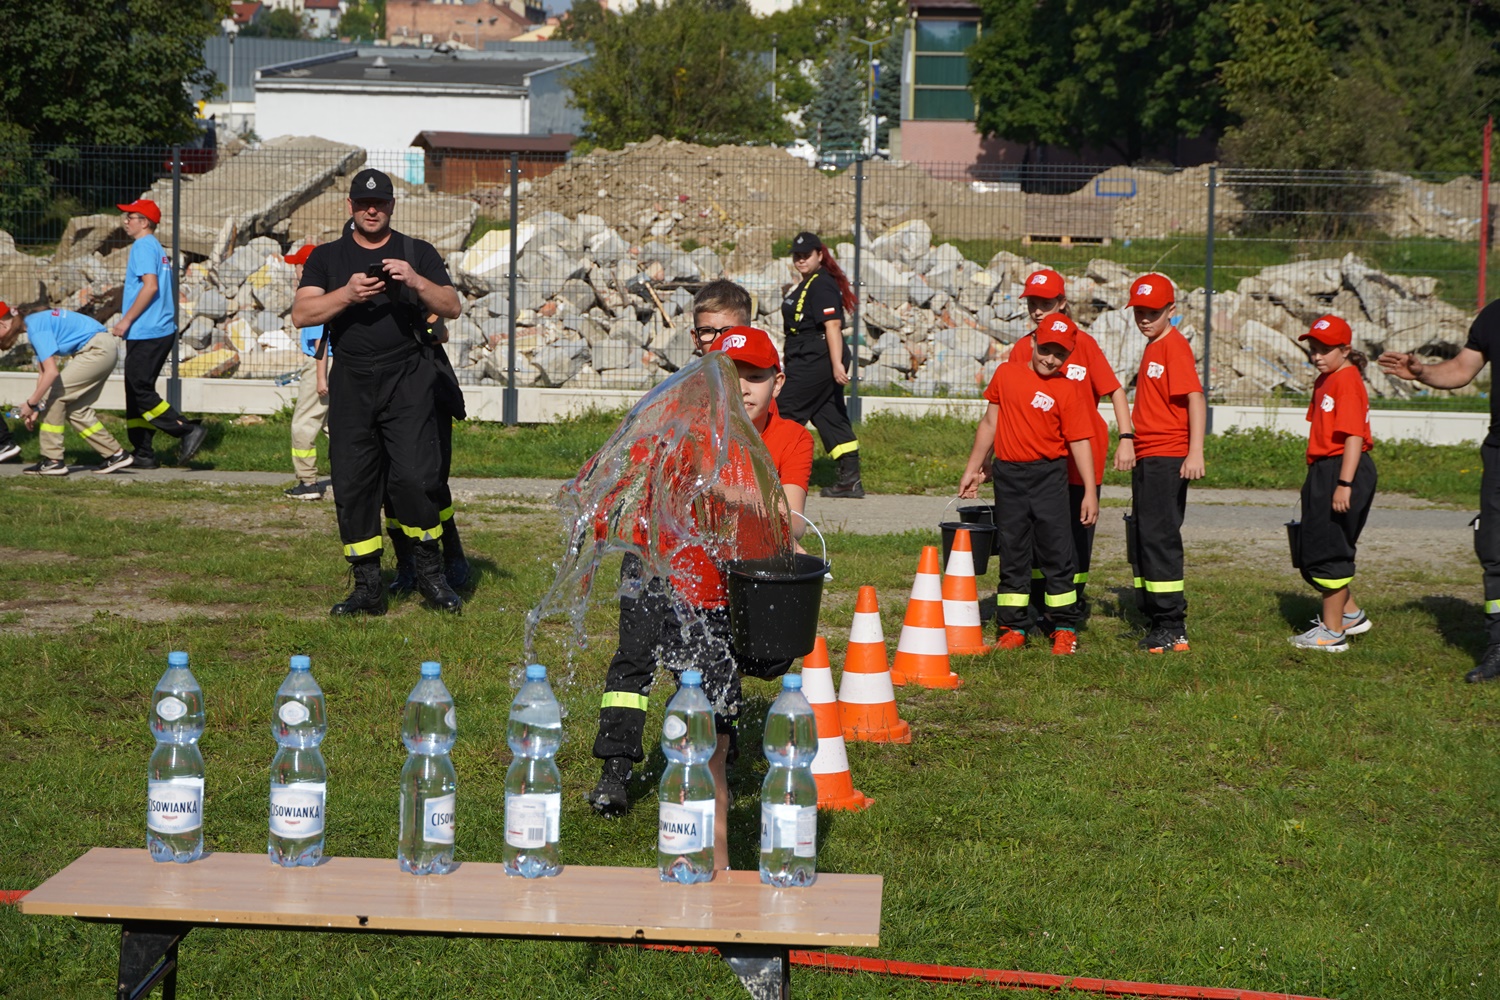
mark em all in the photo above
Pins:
pixel 174 382
pixel 859 225
pixel 509 402
pixel 1484 211
pixel 1208 299
pixel 229 113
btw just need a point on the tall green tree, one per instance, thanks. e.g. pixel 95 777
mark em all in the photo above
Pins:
pixel 888 90
pixel 105 71
pixel 682 69
pixel 278 23
pixel 807 34
pixel 1125 75
pixel 837 113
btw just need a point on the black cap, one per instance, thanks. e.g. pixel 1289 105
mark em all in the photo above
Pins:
pixel 806 243
pixel 371 183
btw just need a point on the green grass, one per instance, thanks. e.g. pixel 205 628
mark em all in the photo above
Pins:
pixel 484 224
pixel 1242 816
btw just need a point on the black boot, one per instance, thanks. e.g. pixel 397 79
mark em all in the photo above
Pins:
pixel 1488 667
pixel 611 798
pixel 848 486
pixel 406 576
pixel 455 564
pixel 368 596
pixel 427 559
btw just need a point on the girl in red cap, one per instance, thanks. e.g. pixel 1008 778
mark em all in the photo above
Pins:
pixel 1340 484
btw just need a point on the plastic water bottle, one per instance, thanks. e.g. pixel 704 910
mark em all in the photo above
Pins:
pixel 789 795
pixel 174 778
pixel 533 788
pixel 685 820
pixel 428 781
pixel 299 778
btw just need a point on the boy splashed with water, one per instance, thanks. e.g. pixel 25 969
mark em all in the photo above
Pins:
pixel 702 471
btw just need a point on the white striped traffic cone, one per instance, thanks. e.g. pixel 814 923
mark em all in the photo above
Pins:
pixel 867 701
pixel 830 766
pixel 922 651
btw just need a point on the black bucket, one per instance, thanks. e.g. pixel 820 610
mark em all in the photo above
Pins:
pixel 980 514
pixel 1130 540
pixel 1294 542
pixel 773 614
pixel 981 539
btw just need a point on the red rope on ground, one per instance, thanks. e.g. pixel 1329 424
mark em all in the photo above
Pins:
pixel 10 896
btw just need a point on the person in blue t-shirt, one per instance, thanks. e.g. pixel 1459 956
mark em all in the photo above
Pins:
pixel 149 329
pixel 65 393
pixel 310 416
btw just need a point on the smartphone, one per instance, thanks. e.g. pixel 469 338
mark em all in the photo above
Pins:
pixel 376 271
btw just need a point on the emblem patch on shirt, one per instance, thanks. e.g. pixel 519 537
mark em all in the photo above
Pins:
pixel 1077 373
pixel 1043 402
pixel 1155 370
pixel 829 311
pixel 1327 404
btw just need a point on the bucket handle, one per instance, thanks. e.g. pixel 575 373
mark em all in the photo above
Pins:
pixel 821 539
pixel 950 503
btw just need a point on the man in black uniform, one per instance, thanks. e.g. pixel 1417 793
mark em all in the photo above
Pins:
pixel 1483 343
pixel 373 289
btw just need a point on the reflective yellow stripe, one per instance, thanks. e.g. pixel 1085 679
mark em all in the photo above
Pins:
pixel 841 450
pixel 1339 584
pixel 1062 600
pixel 1012 600
pixel 1081 577
pixel 304 453
pixel 624 699
pixel 446 514
pixel 1492 607
pixel 1163 586
pixel 421 534
pixel 157 410
pixel 137 422
pixel 52 428
pixel 1036 574
pixel 1139 583
pixel 364 548
pixel 91 429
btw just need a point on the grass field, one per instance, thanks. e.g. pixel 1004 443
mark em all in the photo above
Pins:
pixel 1243 815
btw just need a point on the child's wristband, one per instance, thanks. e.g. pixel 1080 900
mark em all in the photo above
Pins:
pixel 1345 482
pixel 1127 437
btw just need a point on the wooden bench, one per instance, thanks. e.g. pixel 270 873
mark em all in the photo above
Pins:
pixel 753 926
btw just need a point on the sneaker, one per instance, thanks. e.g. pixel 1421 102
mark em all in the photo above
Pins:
pixel 9 452
pixel 191 442
pixel 305 491
pixel 1357 624
pixel 1488 668
pixel 611 798
pixel 1165 640
pixel 1321 637
pixel 47 467
pixel 1064 642
pixel 119 460
pixel 1010 638
pixel 145 462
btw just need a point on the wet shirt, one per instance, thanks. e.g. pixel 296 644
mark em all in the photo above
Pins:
pixel 1484 337
pixel 1167 376
pixel 148 257
pixel 1087 366
pixel 59 333
pixel 1038 416
pixel 813 302
pixel 1340 409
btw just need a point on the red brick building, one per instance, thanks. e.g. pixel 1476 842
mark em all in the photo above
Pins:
pixel 424 23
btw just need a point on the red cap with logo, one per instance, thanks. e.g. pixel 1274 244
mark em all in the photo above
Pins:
pixel 1330 330
pixel 143 206
pixel 4 312
pixel 1044 284
pixel 750 345
pixel 1154 291
pixel 1057 328
pixel 300 256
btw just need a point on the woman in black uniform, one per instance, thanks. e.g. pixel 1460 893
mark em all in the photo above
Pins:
pixel 817 360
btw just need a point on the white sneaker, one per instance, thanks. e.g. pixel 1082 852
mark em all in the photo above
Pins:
pixel 1321 637
pixel 9 452
pixel 1357 624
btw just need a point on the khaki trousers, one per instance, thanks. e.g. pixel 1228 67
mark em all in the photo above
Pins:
pixel 308 418
pixel 73 395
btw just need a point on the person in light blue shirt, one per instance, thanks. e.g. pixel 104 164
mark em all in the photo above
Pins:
pixel 149 329
pixel 310 415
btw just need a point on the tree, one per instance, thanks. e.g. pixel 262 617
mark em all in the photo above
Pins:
pixel 103 72
pixel 807 33
pixel 279 23
pixel 836 117
pixel 362 22
pixel 888 89
pixel 687 69
pixel 1125 75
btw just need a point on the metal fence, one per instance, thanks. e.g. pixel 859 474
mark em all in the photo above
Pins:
pixel 609 248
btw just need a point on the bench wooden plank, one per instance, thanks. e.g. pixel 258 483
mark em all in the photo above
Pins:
pixel 372 894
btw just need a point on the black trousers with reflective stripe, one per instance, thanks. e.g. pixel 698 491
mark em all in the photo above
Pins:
pixel 1158 502
pixel 1329 538
pixel 382 441
pixel 143 364
pixel 810 393
pixel 1083 554
pixel 1031 522
pixel 1487 537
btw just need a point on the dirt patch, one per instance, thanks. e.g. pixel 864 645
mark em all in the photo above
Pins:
pixel 34 557
pixel 64 609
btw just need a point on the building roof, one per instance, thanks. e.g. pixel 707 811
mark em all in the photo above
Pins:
pixel 395 70
pixel 320 4
pixel 491 142
pixel 244 13
pixel 940 7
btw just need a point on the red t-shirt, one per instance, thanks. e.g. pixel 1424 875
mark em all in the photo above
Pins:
pixel 1087 366
pixel 1340 409
pixel 1168 375
pixel 1038 416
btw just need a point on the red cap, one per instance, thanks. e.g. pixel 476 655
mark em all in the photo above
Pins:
pixel 1330 330
pixel 1044 284
pixel 1154 291
pixel 4 312
pixel 747 344
pixel 300 256
pixel 143 206
pixel 1057 328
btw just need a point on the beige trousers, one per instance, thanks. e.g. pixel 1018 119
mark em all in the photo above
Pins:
pixel 73 395
pixel 309 416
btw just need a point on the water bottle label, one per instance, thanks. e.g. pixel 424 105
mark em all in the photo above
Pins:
pixel 171 708
pixel 674 728
pixel 532 819
pixel 437 819
pixel 297 809
pixel 685 827
pixel 174 805
pixel 294 713
pixel 783 826
pixel 451 719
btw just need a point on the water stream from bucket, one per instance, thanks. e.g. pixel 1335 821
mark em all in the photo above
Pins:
pixel 684 484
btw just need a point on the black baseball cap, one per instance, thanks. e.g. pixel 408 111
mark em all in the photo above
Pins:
pixel 371 183
pixel 806 243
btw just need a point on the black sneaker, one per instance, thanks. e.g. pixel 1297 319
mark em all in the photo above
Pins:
pixel 9 452
pixel 1165 640
pixel 114 463
pixel 611 798
pixel 305 491
pixel 191 442
pixel 1488 667
pixel 145 462
pixel 47 467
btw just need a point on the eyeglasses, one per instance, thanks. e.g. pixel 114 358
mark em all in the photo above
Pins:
pixel 710 332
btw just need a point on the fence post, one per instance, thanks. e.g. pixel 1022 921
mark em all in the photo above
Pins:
pixel 174 382
pixel 1208 299
pixel 1484 212
pixel 859 225
pixel 509 402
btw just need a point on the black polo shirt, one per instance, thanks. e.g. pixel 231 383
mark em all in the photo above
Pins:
pixel 1484 337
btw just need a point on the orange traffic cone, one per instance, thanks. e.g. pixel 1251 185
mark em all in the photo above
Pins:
pixel 961 599
pixel 830 767
pixel 867 702
pixel 922 651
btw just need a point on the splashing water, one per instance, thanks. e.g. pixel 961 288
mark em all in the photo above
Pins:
pixel 685 484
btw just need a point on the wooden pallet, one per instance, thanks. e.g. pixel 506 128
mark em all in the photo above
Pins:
pixel 1065 240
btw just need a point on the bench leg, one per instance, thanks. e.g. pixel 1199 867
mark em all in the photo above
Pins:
pixel 148 955
pixel 765 970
